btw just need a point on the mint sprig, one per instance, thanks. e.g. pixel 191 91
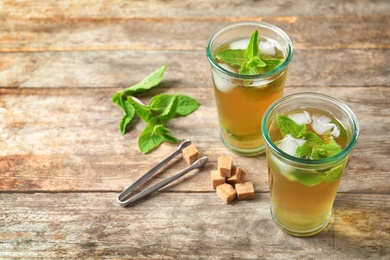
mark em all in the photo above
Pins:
pixel 315 147
pixel 161 109
pixel 249 61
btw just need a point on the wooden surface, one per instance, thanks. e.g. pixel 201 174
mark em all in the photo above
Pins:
pixel 63 160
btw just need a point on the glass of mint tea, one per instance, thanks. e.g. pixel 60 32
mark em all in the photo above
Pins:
pixel 308 138
pixel 249 63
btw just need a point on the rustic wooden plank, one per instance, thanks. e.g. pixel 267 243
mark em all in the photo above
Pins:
pixel 307 32
pixel 203 8
pixel 68 139
pixel 183 226
pixel 340 67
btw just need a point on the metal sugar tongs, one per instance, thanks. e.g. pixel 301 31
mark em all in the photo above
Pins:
pixel 127 192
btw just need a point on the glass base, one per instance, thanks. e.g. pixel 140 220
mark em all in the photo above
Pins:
pixel 246 152
pixel 302 233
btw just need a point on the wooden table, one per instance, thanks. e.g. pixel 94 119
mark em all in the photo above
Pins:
pixel 63 160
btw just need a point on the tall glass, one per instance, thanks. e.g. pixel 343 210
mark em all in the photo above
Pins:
pixel 242 99
pixel 302 191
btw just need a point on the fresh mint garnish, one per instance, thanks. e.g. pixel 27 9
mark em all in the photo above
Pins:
pixel 160 110
pixel 288 126
pixel 250 60
pixel 232 57
pixel 315 147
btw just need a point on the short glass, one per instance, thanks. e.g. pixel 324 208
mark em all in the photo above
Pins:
pixel 242 99
pixel 302 191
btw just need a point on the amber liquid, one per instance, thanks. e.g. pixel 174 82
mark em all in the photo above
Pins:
pixel 242 107
pixel 241 110
pixel 298 208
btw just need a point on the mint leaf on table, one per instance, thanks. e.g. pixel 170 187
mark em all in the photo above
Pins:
pixel 186 105
pixel 161 109
pixel 152 136
pixel 147 83
pixel 129 113
pixel 149 139
pixel 164 107
pixel 143 111
pixel 250 60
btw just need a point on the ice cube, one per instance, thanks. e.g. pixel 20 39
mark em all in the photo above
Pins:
pixel 322 124
pixel 226 67
pixel 289 144
pixel 301 118
pixel 221 82
pixel 336 131
pixel 323 118
pixel 240 44
pixel 267 48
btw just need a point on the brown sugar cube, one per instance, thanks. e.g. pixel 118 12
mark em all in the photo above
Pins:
pixel 190 154
pixel 226 192
pixel 245 190
pixel 225 164
pixel 238 176
pixel 216 179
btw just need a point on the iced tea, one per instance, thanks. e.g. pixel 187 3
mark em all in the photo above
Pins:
pixel 242 99
pixel 307 151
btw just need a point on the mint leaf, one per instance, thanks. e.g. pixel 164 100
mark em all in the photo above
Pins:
pixel 123 123
pixel 152 136
pixel 147 83
pixel 253 47
pixel 164 106
pixel 232 57
pixel 120 97
pixel 164 132
pixel 334 173
pixel 186 105
pixel 161 109
pixel 143 112
pixel 252 53
pixel 331 148
pixel 271 63
pixel 288 126
pixel 302 151
pixel 315 147
pixel 309 179
pixel 149 139
pixel 250 60
pixel 129 112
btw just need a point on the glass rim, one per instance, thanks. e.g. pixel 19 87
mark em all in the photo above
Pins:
pixel 267 74
pixel 337 157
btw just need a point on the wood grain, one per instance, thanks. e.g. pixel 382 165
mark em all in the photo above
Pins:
pixel 69 140
pixel 124 68
pixel 52 9
pixel 63 160
pixel 183 226
pixel 306 32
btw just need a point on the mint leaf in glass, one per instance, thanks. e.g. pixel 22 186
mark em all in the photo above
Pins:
pixel 288 126
pixel 250 60
pixel 232 57
pixel 314 147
